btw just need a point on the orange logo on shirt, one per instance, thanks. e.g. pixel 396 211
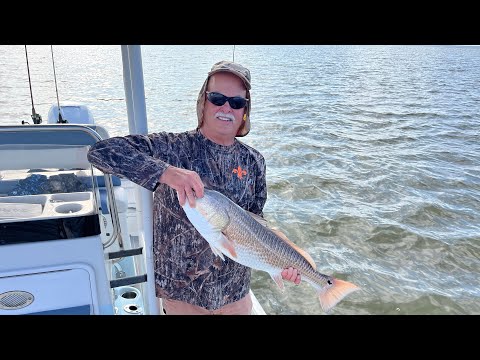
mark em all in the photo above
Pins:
pixel 240 172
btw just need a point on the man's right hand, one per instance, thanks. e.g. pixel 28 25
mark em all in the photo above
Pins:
pixel 187 183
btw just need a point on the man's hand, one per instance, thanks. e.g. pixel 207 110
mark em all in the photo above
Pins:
pixel 187 183
pixel 292 275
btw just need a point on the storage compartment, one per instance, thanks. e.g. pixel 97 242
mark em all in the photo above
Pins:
pixel 26 199
pixel 68 208
pixel 74 204
pixel 22 207
pixel 19 210
pixel 37 207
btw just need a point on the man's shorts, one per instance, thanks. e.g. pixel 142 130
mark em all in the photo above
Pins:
pixel 240 307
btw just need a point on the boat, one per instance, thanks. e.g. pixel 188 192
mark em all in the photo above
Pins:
pixel 73 240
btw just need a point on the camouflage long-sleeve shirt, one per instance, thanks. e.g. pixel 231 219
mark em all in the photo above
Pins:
pixel 185 267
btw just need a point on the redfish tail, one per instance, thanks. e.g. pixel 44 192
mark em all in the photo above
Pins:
pixel 331 294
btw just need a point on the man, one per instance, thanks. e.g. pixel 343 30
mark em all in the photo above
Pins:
pixel 189 278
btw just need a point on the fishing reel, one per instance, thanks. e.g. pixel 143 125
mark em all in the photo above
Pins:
pixel 37 118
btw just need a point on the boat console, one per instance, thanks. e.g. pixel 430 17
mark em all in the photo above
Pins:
pixel 52 258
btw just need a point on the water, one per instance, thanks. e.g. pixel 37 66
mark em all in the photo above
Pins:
pixel 373 154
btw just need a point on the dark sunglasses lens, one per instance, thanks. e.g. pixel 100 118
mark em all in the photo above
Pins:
pixel 237 102
pixel 216 98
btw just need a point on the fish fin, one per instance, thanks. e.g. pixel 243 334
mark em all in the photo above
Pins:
pixel 296 247
pixel 277 277
pixel 258 218
pixel 330 295
pixel 217 252
pixel 228 245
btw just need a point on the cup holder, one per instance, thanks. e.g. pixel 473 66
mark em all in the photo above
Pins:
pixel 68 208
pixel 128 301
pixel 132 309
pixel 129 295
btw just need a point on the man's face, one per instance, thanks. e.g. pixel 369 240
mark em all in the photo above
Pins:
pixel 223 120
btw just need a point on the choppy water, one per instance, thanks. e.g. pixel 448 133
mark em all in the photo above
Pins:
pixel 373 154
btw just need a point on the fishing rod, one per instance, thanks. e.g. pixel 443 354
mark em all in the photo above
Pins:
pixel 37 119
pixel 61 120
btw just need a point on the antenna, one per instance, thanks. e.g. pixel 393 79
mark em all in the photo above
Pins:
pixel 60 119
pixel 37 119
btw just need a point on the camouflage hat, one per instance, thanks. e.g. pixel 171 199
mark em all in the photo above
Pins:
pixel 236 69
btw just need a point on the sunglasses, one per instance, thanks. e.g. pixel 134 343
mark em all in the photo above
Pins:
pixel 236 102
